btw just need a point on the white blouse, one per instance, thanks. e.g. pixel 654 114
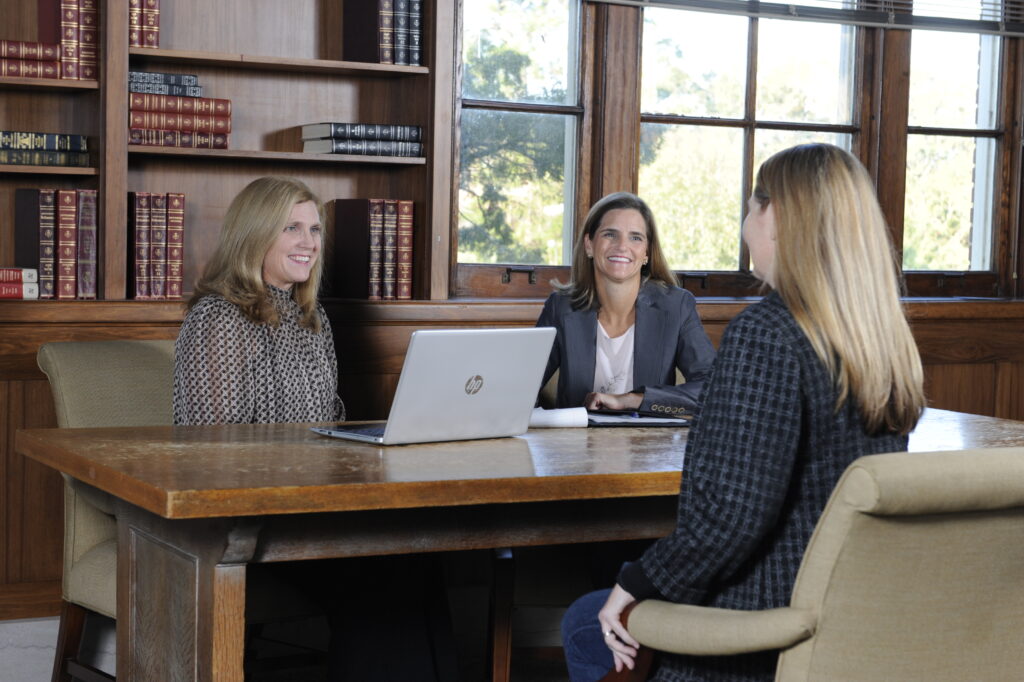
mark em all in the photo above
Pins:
pixel 613 366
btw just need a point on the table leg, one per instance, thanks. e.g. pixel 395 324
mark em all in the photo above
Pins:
pixel 181 597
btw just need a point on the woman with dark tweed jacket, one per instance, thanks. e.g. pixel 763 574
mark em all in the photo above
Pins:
pixel 820 372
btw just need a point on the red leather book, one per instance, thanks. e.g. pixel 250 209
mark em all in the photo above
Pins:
pixel 19 275
pixel 204 123
pixel 358 234
pixel 175 104
pixel 24 49
pixel 158 246
pixel 34 235
pixel 69 53
pixel 86 244
pixel 29 68
pixel 151 23
pixel 175 243
pixel 19 290
pixel 403 276
pixel 138 245
pixel 368 31
pixel 177 138
pixel 134 23
pixel 88 39
pixel 389 253
pixel 67 243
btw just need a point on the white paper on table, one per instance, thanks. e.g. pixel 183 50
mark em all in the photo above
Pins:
pixel 568 416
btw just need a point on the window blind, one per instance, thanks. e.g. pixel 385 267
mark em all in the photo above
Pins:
pixel 1000 17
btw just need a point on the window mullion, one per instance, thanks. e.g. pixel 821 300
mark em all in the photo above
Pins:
pixel 892 126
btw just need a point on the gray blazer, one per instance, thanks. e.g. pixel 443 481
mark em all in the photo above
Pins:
pixel 668 335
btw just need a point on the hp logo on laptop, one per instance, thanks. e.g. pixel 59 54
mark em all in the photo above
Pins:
pixel 474 384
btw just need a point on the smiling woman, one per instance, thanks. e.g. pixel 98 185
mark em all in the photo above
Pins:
pixel 624 327
pixel 256 346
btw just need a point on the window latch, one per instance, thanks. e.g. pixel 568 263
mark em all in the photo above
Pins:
pixel 506 277
pixel 702 276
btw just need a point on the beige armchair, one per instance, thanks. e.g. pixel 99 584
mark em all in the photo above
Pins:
pixel 914 572
pixel 99 383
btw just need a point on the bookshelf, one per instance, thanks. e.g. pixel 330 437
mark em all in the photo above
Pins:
pixel 280 64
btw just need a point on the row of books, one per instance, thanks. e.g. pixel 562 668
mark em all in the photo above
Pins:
pixel 156 234
pixel 176 120
pixel 372 139
pixel 20 283
pixel 157 83
pixel 66 45
pixel 374 260
pixel 24 148
pixel 383 31
pixel 143 23
pixel 55 234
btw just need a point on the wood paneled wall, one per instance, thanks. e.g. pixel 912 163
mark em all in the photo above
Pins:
pixel 973 354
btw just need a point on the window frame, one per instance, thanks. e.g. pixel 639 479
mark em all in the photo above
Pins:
pixel 609 142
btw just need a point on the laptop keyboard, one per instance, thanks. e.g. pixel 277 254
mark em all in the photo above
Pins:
pixel 371 430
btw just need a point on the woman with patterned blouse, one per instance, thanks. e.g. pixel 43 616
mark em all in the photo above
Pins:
pixel 820 372
pixel 256 346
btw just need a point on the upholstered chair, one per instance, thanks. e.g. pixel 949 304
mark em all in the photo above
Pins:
pixel 94 384
pixel 913 573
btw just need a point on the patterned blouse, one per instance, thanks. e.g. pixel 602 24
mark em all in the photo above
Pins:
pixel 229 370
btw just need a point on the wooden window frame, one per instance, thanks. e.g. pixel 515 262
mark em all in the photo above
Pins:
pixel 608 159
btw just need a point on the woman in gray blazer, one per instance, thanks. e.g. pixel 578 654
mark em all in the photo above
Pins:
pixel 624 326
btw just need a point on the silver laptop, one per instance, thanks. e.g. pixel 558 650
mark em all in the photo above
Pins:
pixel 460 384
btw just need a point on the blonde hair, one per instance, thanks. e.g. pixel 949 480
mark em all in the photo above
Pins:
pixel 836 271
pixel 253 222
pixel 582 285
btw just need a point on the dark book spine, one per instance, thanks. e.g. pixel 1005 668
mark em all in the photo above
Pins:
pixel 24 49
pixel 376 255
pixel 177 138
pixel 34 231
pixel 29 68
pixel 173 104
pixel 161 77
pixel 377 148
pixel 19 275
pixel 19 290
pixel 158 246
pixel 401 22
pixel 88 39
pixel 14 139
pixel 386 31
pixel 175 244
pixel 86 244
pixel 34 157
pixel 67 243
pixel 166 89
pixel 69 39
pixel 134 23
pixel 390 250
pixel 415 32
pixel 367 131
pixel 138 245
pixel 403 252
pixel 151 23
pixel 189 122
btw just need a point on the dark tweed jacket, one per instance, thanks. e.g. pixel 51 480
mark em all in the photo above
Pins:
pixel 668 334
pixel 760 464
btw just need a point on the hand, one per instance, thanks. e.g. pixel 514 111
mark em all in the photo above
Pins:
pixel 619 640
pixel 611 401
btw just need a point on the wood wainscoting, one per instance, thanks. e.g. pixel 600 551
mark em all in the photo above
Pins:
pixel 973 353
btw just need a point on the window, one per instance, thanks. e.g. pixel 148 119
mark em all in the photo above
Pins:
pixel 519 128
pixel 705 92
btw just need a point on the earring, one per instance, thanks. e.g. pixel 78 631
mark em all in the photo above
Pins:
pixel 645 260
pixel 590 255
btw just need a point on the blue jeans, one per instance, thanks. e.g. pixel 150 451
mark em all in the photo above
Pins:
pixel 586 655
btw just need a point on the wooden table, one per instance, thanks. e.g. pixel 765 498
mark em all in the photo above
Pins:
pixel 196 504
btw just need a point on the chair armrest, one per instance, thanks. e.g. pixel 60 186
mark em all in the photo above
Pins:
pixel 706 631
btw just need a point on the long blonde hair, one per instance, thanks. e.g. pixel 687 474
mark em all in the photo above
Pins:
pixel 582 285
pixel 253 222
pixel 836 271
